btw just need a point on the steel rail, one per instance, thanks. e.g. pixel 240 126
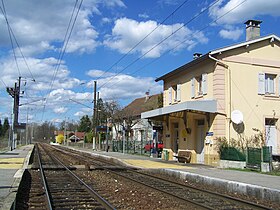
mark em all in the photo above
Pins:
pixel 213 194
pixel 101 200
pixel 207 191
pixel 44 179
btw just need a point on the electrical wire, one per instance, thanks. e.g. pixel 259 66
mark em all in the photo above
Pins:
pixel 159 43
pixel 138 43
pixel 202 29
pixel 62 52
pixel 10 37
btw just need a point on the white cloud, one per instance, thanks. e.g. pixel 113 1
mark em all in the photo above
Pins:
pixel 124 87
pixel 127 33
pixel 99 73
pixel 250 9
pixel 60 110
pixel 79 114
pixel 41 27
pixel 143 15
pixel 42 70
pixel 106 20
pixel 231 34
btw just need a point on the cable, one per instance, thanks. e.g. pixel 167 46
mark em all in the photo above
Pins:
pixel 186 23
pixel 184 40
pixel 170 15
pixel 10 36
pixel 12 33
pixel 62 52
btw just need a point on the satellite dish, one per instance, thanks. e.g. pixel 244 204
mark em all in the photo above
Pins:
pixel 236 116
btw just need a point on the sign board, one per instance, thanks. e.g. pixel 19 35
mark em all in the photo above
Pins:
pixel 20 126
pixel 101 128
pixel 209 133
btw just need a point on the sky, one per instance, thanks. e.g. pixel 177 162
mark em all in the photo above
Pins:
pixel 59 48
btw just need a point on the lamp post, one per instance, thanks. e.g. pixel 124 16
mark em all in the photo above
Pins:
pixel 109 124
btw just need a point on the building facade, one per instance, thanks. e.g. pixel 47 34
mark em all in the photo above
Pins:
pixel 232 93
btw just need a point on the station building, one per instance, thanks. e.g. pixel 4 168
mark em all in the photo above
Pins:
pixel 230 93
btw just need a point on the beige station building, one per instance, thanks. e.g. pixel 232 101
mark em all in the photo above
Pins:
pixel 230 92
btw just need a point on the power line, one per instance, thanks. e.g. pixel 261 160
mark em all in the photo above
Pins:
pixel 11 34
pixel 202 29
pixel 138 43
pixel 63 49
pixel 159 43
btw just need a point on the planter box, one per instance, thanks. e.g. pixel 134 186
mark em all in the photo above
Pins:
pixel 232 164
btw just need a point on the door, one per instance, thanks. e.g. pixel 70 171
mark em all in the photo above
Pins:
pixel 271 134
pixel 175 137
pixel 200 134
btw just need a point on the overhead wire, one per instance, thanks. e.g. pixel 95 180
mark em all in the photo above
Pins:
pixel 138 43
pixel 10 36
pixel 63 49
pixel 159 43
pixel 202 29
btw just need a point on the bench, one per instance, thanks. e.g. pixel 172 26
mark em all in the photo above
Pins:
pixel 184 156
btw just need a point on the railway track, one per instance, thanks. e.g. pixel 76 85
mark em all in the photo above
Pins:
pixel 203 198
pixel 68 192
pixel 61 188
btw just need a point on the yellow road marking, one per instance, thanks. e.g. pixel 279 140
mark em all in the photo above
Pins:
pixel 153 164
pixel 11 163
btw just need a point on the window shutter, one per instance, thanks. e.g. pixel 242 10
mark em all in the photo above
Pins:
pixel 204 84
pixel 193 88
pixel 279 85
pixel 261 84
pixel 169 95
pixel 178 92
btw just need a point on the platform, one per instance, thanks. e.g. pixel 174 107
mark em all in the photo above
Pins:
pixel 12 165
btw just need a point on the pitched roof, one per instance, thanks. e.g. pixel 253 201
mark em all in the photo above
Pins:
pixel 272 38
pixel 139 105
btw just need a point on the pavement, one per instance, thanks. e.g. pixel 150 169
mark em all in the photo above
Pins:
pixel 12 165
pixel 262 186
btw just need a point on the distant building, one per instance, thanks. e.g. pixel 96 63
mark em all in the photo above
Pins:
pixel 72 135
pixel 229 92
pixel 140 129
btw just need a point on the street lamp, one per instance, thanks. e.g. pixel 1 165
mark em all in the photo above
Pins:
pixel 109 124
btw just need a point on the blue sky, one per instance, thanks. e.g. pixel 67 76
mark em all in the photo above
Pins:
pixel 101 47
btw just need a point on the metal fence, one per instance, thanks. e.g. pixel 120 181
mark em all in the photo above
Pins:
pixel 255 156
pixel 232 153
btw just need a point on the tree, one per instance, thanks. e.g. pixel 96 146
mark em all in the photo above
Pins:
pixel 89 137
pixel 6 126
pixel 85 124
pixel 60 139
pixel 1 129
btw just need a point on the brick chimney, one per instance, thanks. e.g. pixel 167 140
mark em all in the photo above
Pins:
pixel 147 96
pixel 252 29
pixel 196 55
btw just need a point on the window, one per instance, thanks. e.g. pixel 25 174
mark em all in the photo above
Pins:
pixel 267 84
pixel 270 83
pixel 174 90
pixel 174 94
pixel 199 86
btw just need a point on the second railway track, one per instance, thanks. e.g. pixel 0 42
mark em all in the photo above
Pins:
pixel 173 193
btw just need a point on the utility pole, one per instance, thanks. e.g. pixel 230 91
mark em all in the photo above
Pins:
pixel 94 116
pixel 15 93
pixel 26 131
pixel 64 141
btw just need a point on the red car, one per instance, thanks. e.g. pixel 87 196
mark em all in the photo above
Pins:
pixel 150 145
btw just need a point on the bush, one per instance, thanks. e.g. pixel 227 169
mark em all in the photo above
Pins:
pixel 230 150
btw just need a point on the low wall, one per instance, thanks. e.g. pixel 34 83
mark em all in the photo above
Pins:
pixel 232 164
